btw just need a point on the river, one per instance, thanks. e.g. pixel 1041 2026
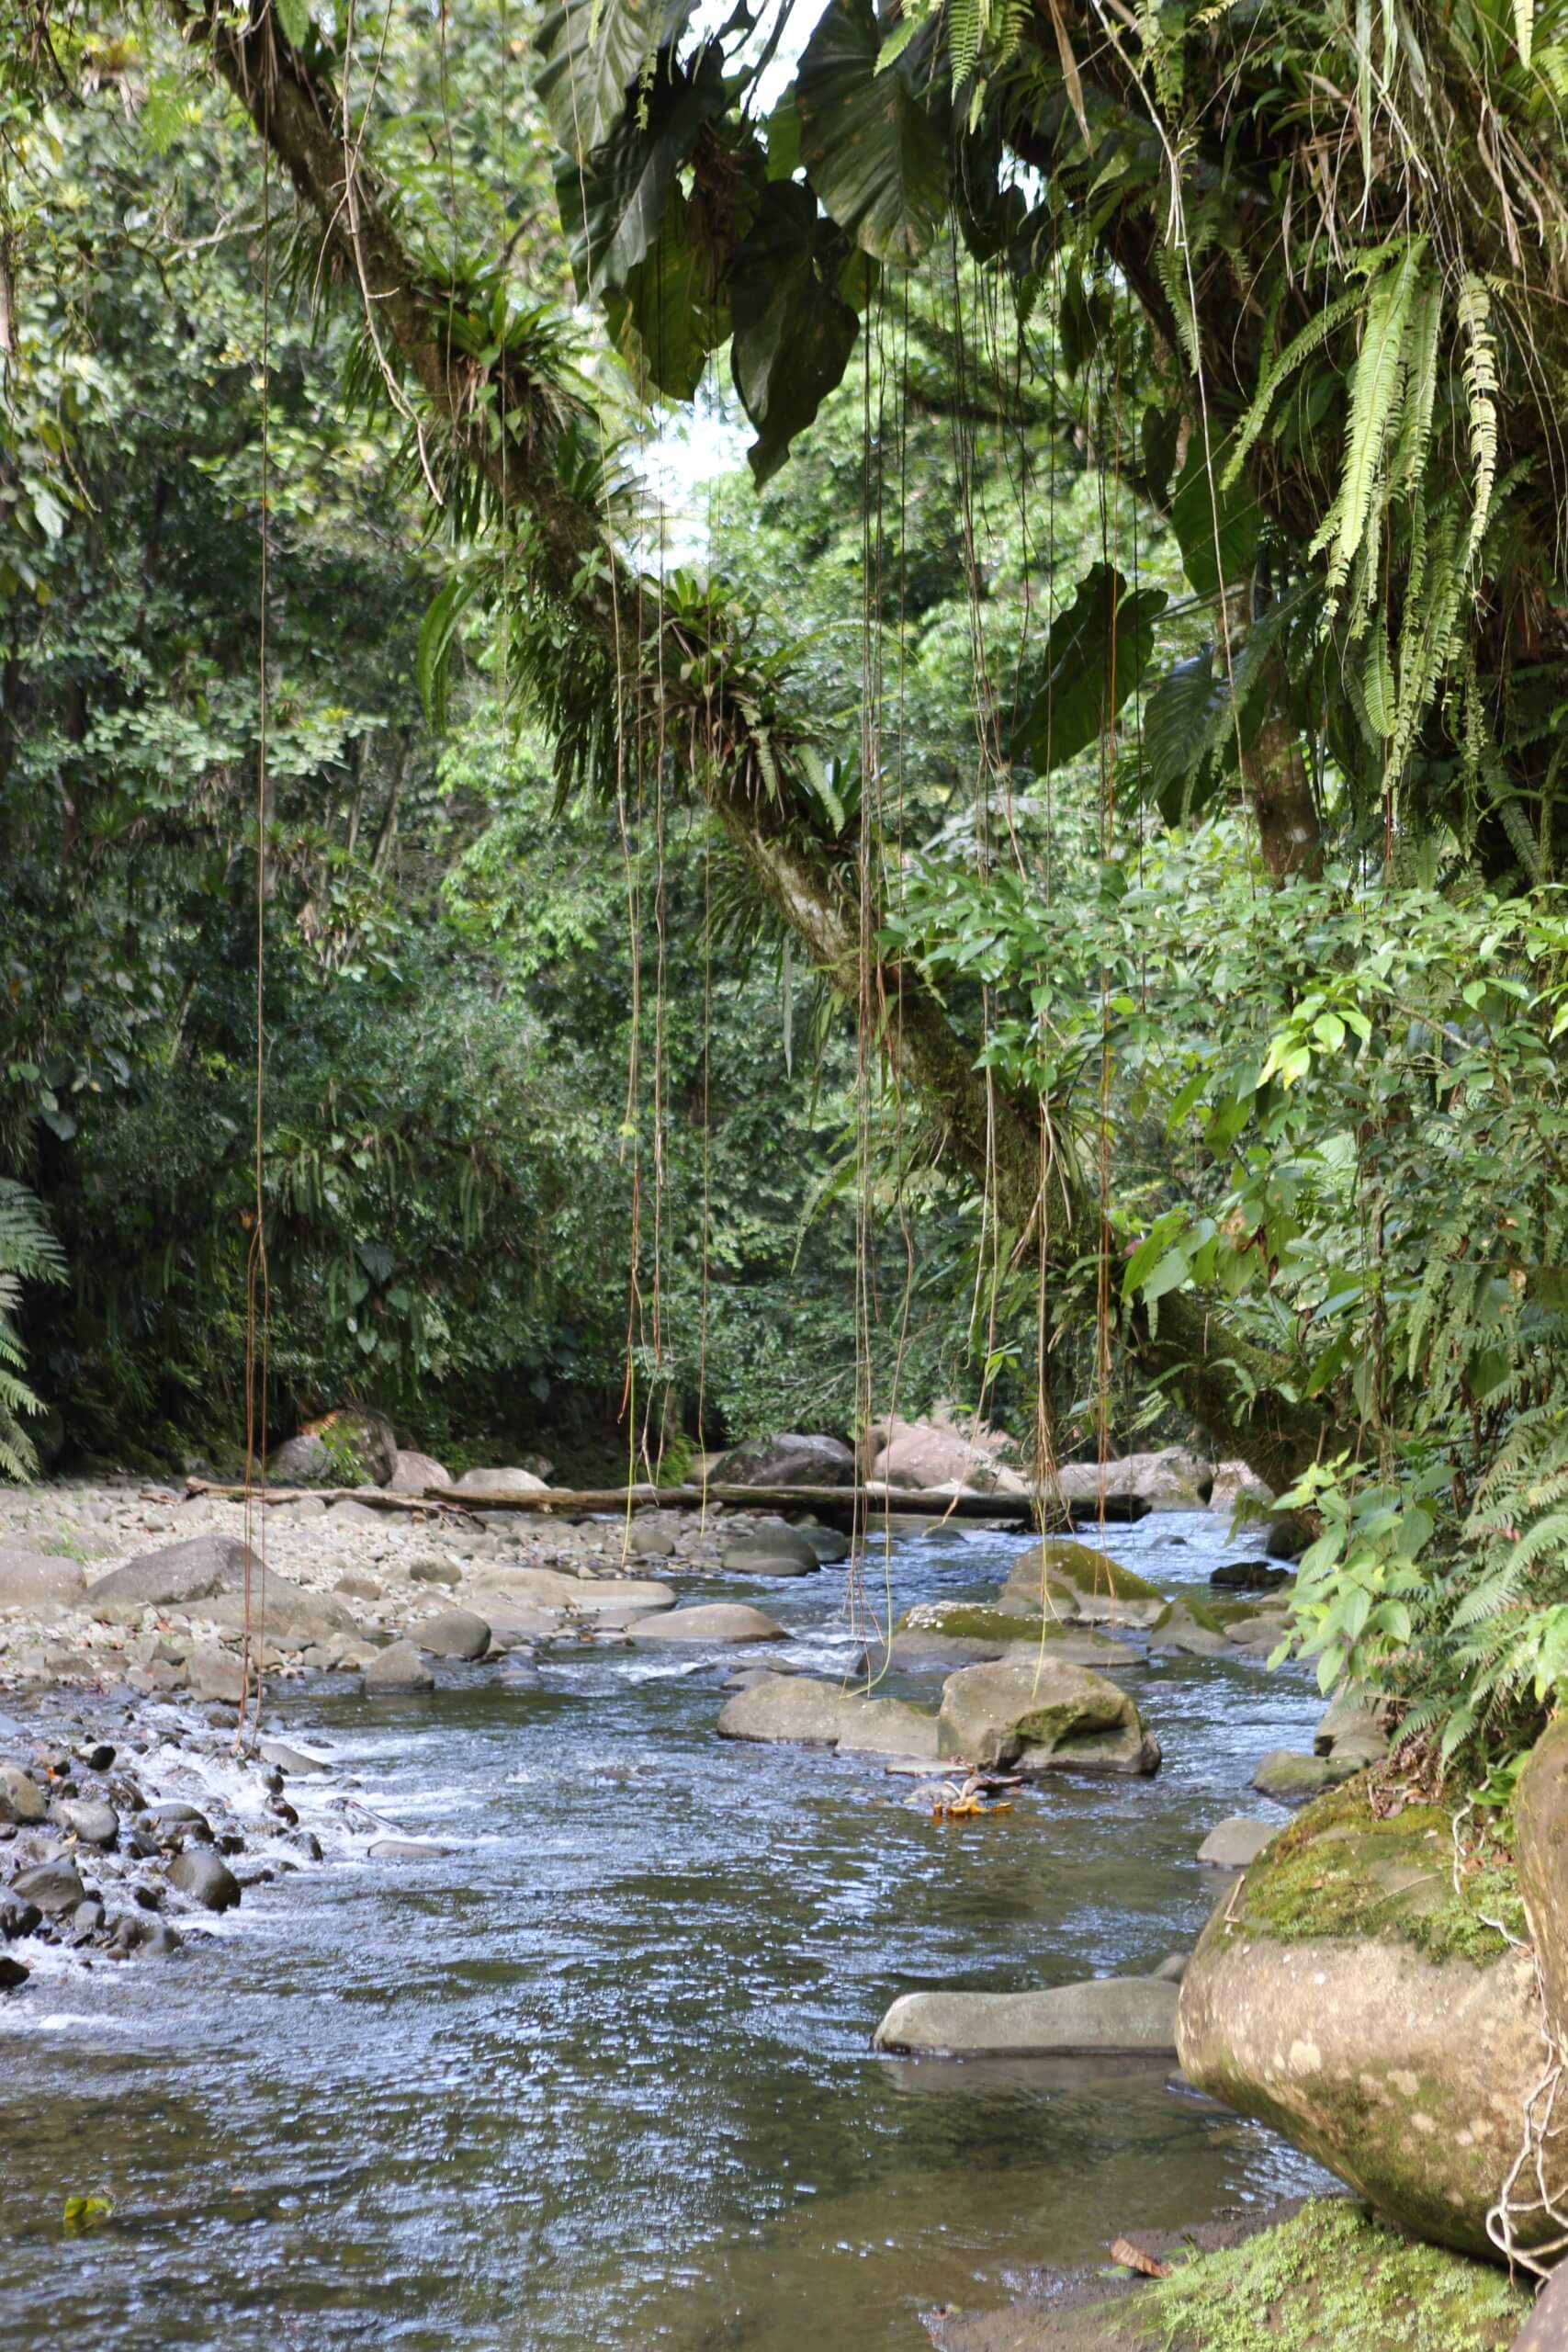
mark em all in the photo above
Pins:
pixel 601 2075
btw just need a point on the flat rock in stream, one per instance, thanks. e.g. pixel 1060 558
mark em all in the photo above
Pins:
pixel 1112 2017
pixel 939 1636
pixel 718 1621
pixel 1038 1716
pixel 513 1596
pixel 799 1709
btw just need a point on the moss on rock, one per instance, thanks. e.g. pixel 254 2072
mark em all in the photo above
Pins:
pixel 1338 1870
pixel 1081 1568
pixel 1329 2279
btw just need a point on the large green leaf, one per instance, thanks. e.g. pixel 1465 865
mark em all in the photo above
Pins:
pixel 794 331
pixel 873 150
pixel 1179 735
pixel 1207 515
pixel 1097 651
pixel 613 206
pixel 666 319
pixel 590 53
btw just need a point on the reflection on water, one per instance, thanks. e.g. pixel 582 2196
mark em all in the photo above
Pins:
pixel 602 2077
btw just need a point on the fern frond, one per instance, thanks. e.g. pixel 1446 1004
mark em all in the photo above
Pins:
pixel 1474 305
pixel 1375 404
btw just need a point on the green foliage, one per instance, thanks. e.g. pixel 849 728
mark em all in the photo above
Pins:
pixel 28 1253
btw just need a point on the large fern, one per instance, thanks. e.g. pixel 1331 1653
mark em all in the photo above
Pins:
pixel 28 1252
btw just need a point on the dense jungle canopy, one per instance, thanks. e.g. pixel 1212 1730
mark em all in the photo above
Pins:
pixel 1041 886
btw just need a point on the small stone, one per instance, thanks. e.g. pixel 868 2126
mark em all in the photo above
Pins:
pixel 214 1674
pixel 207 1880
pixel 87 1917
pixel 55 1887
pixel 357 1586
pixel 1172 1968
pixel 1235 1842
pixel 435 1572
pixel 12 1974
pixel 398 1668
pixel 21 1799
pixel 19 1919
pixel 92 1824
pixel 457 1633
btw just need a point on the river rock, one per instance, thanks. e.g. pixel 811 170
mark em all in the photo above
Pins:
pixel 1238 1482
pixel 1248 1576
pixel 1540 1847
pixel 653 1535
pixel 89 1821
pixel 1346 1996
pixel 290 1759
pixel 28 1578
pixel 789 1460
pixel 776 1551
pixel 1236 1843
pixel 21 1799
pixel 352 1514
pixel 357 1585
pixel 798 1708
pixel 718 1620
pixel 515 1481
pixel 349 1447
pixel 216 1674
pixel 1112 2017
pixel 434 1571
pixel 398 1668
pixel 457 1633
pixel 290 1612
pixel 407 1849
pixel 202 1874
pixel 1292 1778
pixel 412 1472
pixel 830 1544
pixel 1078 1585
pixel 1171 1480
pixel 922 1456
pixel 52 1887
pixel 1036 1716
pixel 1187 1629
pixel 1545 2330
pixel 948 1634
pixel 180 1573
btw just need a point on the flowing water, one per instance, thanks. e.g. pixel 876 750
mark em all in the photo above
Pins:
pixel 601 2075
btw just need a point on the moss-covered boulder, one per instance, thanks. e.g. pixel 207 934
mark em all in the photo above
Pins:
pixel 1035 1716
pixel 1346 1995
pixel 1187 1629
pixel 1329 2278
pixel 1079 1585
pixel 948 1634
pixel 1291 1778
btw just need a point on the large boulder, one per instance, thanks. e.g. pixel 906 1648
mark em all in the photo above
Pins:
pixel 772 1551
pixel 1110 2016
pixel 919 1456
pixel 180 1573
pixel 1348 1997
pixel 398 1668
pixel 456 1633
pixel 29 1577
pixel 716 1621
pixel 1541 1848
pixel 1080 1586
pixel 291 1615
pixel 1171 1480
pixel 1038 1716
pixel 792 1459
pixel 412 1473
pixel 796 1708
pixel 1235 1483
pixel 515 1481
pixel 351 1447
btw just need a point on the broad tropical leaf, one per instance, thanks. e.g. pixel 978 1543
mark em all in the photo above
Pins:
pixel 666 318
pixel 1215 518
pixel 793 332
pixel 590 52
pixel 1179 734
pixel 1097 651
pixel 874 153
pixel 613 207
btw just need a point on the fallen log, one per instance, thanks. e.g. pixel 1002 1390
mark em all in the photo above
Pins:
pixel 840 1500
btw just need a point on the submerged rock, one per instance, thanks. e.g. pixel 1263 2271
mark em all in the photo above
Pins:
pixel 1038 1716
pixel 1348 1996
pixel 950 1633
pixel 1114 2016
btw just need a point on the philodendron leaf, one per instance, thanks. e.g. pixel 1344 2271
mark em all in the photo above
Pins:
pixel 1179 734
pixel 613 205
pixel 665 320
pixel 1097 651
pixel 1215 525
pixel 590 53
pixel 794 331
pixel 874 150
